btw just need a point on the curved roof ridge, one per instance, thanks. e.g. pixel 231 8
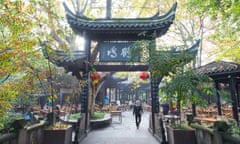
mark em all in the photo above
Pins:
pixel 121 28
pixel 216 67
pixel 190 50
pixel 155 16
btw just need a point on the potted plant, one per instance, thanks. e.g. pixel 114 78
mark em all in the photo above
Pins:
pixel 228 130
pixel 183 89
pixel 55 132
pixel 180 134
pixel 222 132
pixel 58 134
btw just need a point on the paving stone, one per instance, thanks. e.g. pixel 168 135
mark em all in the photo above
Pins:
pixel 122 133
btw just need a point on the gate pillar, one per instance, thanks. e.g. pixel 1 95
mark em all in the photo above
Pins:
pixel 155 100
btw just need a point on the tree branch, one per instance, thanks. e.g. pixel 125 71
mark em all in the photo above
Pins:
pixel 6 78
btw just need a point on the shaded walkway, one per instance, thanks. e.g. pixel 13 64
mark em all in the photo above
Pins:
pixel 122 133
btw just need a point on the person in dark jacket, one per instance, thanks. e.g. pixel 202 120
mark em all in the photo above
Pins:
pixel 137 111
pixel 165 108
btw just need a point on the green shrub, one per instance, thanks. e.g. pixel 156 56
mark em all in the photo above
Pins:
pixel 97 115
pixel 75 116
pixel 221 126
pixel 235 129
pixel 6 122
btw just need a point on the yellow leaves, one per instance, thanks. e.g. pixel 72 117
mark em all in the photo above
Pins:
pixel 17 5
pixel 22 24
pixel 67 99
pixel 7 95
pixel 122 75
pixel 7 4
pixel 6 106
pixel 52 98
pixel 55 97
pixel 58 126
pixel 42 75
pixel 21 28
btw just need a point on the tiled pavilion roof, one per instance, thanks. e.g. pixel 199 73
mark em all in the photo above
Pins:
pixel 225 72
pixel 121 28
pixel 220 70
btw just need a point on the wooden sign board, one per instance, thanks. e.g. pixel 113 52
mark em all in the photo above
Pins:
pixel 118 52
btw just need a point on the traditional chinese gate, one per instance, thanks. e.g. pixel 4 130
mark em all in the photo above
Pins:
pixel 115 39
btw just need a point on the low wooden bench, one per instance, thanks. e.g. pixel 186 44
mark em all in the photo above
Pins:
pixel 107 120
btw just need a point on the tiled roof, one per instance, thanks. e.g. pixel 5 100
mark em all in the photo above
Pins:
pixel 220 67
pixel 121 28
pixel 72 62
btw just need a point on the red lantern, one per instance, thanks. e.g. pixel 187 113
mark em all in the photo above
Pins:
pixel 92 76
pixel 98 76
pixel 144 76
pixel 95 76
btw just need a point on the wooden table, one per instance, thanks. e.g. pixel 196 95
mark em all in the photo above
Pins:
pixel 205 120
pixel 117 113
pixel 171 118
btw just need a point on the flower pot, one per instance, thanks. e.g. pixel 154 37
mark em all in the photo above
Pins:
pixel 180 136
pixel 58 136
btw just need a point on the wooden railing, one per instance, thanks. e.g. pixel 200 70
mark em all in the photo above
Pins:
pixel 29 135
pixel 206 135
pixel 34 134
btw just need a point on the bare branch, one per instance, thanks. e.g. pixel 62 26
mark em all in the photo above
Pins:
pixel 74 5
pixel 6 78
pixel 5 50
pixel 84 8
pixel 58 39
pixel 144 4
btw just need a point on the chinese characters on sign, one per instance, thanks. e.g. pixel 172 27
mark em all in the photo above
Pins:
pixel 126 52
pixel 117 52
pixel 112 52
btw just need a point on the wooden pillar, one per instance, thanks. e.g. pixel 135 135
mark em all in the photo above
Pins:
pixel 110 96
pixel 194 110
pixel 116 97
pixel 218 99
pixel 234 99
pixel 155 81
pixel 238 98
pixel 84 102
pixel 116 94
pixel 146 92
pixel 85 90
pixel 155 102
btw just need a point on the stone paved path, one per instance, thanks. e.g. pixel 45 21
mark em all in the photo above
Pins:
pixel 122 133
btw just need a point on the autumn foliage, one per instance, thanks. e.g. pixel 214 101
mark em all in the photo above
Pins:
pixel 23 26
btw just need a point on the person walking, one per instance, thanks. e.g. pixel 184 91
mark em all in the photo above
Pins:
pixel 137 111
